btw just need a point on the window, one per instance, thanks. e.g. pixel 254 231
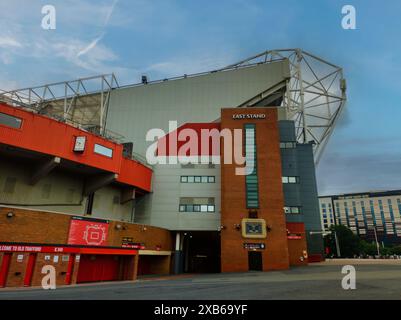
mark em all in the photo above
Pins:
pixel 196 204
pixel 288 145
pixel 107 152
pixel 292 210
pixel 209 165
pixel 10 121
pixel 197 179
pixel 196 208
pixel 290 179
pixel 188 166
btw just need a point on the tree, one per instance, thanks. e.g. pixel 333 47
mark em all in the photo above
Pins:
pixel 368 249
pixel 349 243
pixel 396 250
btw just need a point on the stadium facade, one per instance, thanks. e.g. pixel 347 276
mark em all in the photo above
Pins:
pixel 76 195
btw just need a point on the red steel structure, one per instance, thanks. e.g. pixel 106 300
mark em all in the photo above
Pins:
pixel 50 137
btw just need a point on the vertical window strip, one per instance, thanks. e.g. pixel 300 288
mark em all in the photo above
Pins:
pixel 338 212
pixel 390 207
pixel 347 214
pixel 251 179
pixel 372 210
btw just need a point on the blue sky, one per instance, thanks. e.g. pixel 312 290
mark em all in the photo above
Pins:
pixel 164 38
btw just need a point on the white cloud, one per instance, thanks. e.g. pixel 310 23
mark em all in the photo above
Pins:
pixel 94 61
pixel 193 63
pixel 90 46
pixel 9 42
pixel 94 42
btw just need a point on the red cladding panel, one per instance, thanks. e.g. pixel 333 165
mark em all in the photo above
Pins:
pixel 189 139
pixel 134 171
pixel 296 227
pixel 48 136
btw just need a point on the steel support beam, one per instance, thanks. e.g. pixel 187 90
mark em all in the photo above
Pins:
pixel 44 169
pixel 98 181
pixel 127 194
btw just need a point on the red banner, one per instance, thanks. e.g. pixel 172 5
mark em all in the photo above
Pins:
pixel 61 249
pixel 91 232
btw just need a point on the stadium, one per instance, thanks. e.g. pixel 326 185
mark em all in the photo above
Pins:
pixel 77 190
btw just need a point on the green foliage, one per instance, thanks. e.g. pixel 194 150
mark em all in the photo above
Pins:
pixel 368 249
pixel 351 245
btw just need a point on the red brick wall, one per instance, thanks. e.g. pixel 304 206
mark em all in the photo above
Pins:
pixel 16 271
pixel 29 226
pixel 271 198
pixel 51 228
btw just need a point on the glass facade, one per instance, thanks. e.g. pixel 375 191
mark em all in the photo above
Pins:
pixel 366 213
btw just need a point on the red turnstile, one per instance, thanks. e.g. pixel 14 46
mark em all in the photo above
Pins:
pixel 29 269
pixel 5 265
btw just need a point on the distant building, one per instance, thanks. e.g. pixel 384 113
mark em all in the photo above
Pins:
pixel 365 213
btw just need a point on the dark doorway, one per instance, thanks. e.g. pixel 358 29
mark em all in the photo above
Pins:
pixel 255 261
pixel 201 252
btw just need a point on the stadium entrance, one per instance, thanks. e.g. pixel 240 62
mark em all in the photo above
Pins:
pixel 201 252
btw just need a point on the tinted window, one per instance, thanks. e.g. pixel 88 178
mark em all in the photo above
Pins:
pixel 99 149
pixel 10 121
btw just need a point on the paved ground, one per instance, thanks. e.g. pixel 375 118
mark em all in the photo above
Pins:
pixel 374 280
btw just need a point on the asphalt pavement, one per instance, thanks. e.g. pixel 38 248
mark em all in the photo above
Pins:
pixel 374 280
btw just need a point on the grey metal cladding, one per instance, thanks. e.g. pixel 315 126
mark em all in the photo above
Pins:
pixel 134 110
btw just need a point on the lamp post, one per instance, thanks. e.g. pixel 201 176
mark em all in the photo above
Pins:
pixel 377 242
pixel 337 244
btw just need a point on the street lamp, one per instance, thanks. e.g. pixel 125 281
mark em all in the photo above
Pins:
pixel 377 242
pixel 335 237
